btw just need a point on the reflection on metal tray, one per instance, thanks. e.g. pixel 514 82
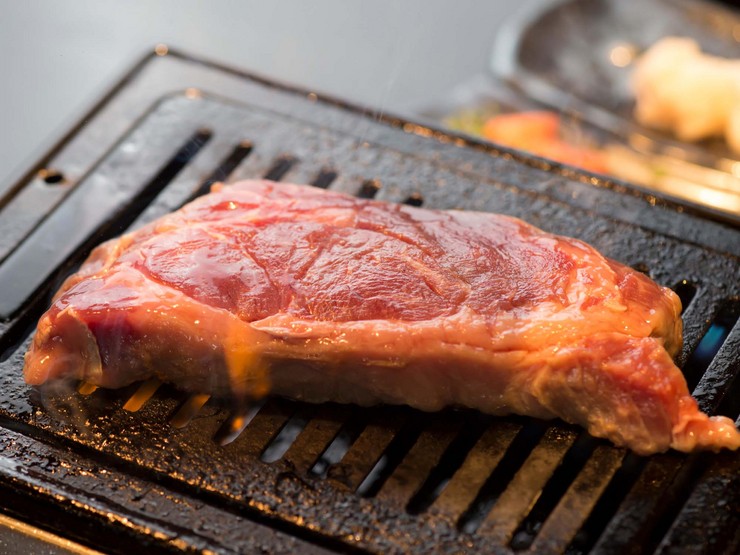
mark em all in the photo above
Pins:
pixel 18 537
pixel 575 56
pixel 153 469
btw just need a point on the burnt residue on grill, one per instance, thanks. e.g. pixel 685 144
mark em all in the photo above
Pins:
pixel 151 466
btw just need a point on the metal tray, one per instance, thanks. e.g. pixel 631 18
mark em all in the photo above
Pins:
pixel 576 56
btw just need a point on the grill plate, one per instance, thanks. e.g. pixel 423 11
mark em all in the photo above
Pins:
pixel 341 478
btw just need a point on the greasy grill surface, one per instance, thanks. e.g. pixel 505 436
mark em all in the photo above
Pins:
pixel 175 472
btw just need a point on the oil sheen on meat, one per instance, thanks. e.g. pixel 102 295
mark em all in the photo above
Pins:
pixel 333 298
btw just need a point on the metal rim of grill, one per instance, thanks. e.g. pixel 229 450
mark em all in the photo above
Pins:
pixel 152 466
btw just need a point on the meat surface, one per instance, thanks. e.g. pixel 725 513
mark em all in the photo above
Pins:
pixel 332 298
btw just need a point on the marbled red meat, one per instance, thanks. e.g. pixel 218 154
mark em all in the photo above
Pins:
pixel 341 299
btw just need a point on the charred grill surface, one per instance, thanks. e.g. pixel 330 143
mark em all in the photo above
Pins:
pixel 149 465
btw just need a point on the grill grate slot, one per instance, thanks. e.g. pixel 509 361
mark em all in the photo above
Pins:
pixel 236 422
pixel 281 167
pixel 391 457
pixel 674 499
pixel 717 494
pixel 260 430
pixel 414 199
pixel 686 291
pixel 369 447
pixel 425 454
pixel 340 445
pixel 644 506
pixel 569 469
pixel 524 447
pixel 86 388
pixel 451 461
pixel 642 268
pixel 282 441
pixel 317 434
pixel 224 169
pixel 188 410
pixel 521 492
pixel 145 392
pixel 325 178
pixel 607 506
pixel 369 188
pixel 568 516
pixel 482 459
pixel 704 353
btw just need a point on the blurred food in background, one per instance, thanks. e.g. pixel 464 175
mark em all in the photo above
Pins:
pixel 541 133
pixel 688 93
pixel 564 81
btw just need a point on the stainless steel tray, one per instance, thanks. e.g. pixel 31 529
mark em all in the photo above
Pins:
pixel 576 56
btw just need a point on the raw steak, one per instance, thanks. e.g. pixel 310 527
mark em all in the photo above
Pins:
pixel 329 297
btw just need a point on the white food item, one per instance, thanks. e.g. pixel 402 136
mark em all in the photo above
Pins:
pixel 691 94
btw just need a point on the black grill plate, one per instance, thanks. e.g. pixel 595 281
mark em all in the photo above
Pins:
pixel 299 477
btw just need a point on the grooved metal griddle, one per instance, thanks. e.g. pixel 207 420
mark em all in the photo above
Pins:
pixel 150 467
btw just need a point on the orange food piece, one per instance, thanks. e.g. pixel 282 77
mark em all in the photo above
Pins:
pixel 583 157
pixel 522 130
pixel 538 132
